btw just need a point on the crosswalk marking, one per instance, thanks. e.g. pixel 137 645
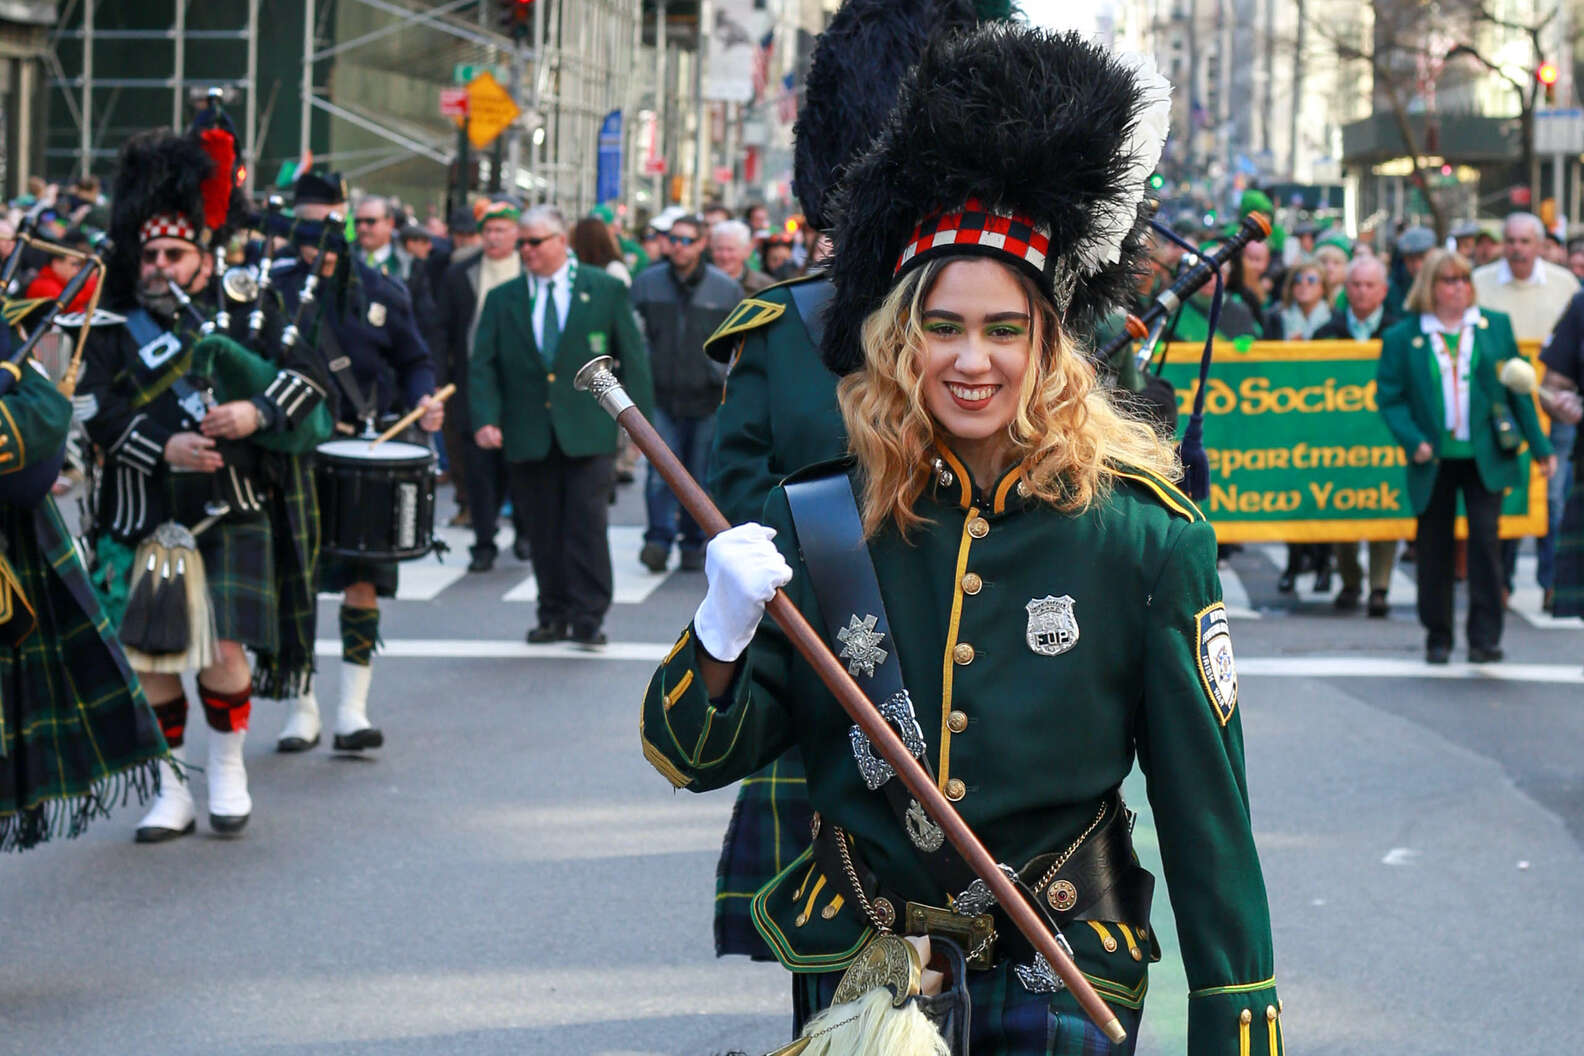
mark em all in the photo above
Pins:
pixel 1528 600
pixel 1248 667
pixel 631 583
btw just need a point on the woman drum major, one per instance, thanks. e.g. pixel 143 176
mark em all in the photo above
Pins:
pixel 1050 600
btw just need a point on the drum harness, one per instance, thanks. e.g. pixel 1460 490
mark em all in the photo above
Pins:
pixel 1095 878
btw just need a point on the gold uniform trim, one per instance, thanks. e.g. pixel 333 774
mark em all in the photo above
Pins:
pixel 949 664
pixel 21 448
pixel 1167 492
pixel 687 636
pixel 964 490
pixel 750 314
pixel 677 690
pixel 667 769
pixel 1008 482
pixel 1233 988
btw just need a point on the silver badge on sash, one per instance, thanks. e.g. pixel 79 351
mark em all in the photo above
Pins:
pixel 376 314
pixel 160 351
pixel 922 830
pixel 1052 626
pixel 861 645
pixel 897 709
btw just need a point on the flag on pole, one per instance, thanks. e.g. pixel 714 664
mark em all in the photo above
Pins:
pixel 787 105
pixel 761 67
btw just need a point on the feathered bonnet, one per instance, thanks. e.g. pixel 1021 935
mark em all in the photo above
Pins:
pixel 172 186
pixel 1019 144
pixel 858 64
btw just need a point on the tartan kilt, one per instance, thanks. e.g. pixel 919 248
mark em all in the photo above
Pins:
pixel 77 736
pixel 337 573
pixel 1007 1020
pixel 1569 581
pixel 769 828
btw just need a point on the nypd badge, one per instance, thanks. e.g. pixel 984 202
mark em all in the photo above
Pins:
pixel 1052 626
pixel 1217 669
pixel 376 314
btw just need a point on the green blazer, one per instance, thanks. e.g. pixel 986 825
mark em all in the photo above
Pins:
pixel 1409 396
pixel 509 386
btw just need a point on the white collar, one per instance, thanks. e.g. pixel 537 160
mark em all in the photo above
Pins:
pixel 556 277
pixel 1430 324
pixel 380 254
pixel 1537 277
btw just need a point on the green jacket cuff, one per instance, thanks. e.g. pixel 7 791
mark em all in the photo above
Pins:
pixel 1237 1020
pixel 686 735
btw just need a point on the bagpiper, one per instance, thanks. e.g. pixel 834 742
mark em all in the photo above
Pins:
pixel 1001 548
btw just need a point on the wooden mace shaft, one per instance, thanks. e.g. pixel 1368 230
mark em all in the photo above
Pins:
pixel 885 740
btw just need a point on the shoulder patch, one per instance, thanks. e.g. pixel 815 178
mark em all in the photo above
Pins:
pixel 1217 668
pixel 750 314
pixel 1168 493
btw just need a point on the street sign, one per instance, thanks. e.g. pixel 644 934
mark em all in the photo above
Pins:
pixel 1559 131
pixel 468 72
pixel 490 110
pixel 607 179
pixel 453 102
pixel 654 166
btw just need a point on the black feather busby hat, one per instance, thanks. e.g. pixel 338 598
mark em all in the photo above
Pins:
pixel 858 64
pixel 158 192
pixel 1020 144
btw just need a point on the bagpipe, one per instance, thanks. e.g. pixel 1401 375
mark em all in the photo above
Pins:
pixel 28 486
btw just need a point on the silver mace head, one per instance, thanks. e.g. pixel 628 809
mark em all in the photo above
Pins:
pixel 595 377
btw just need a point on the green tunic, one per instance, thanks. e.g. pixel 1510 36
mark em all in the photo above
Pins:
pixel 77 736
pixel 1027 743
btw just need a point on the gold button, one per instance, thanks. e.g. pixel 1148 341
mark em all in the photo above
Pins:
pixel 1270 1013
pixel 972 584
pixel 830 911
pixel 957 722
pixel 547 405
pixel 955 789
pixel 978 527
pixel 550 378
pixel 1246 1017
pixel 963 653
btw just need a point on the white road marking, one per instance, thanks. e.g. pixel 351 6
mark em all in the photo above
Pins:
pixel 1528 600
pixel 631 583
pixel 1256 666
pixel 1400 856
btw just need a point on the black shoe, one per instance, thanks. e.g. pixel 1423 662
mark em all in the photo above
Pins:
pixel 1437 654
pixel 654 556
pixel 545 633
pixel 155 834
pixel 483 561
pixel 296 744
pixel 692 560
pixel 228 824
pixel 625 476
pixel 1322 584
pixel 1378 608
pixel 520 550
pixel 1347 599
pixel 1286 581
pixel 1482 655
pixel 593 639
pixel 358 740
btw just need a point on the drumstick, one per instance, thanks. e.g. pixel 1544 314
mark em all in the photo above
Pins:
pixel 411 416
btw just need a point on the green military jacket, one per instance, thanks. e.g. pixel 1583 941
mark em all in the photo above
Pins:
pixel 779 411
pixel 510 387
pixel 1409 396
pixel 1027 744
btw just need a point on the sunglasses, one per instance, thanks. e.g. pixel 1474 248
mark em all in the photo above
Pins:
pixel 535 242
pixel 1305 280
pixel 155 254
pixel 1452 280
pixel 365 221
pixel 682 240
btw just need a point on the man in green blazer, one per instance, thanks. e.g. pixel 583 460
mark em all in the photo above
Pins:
pixel 1438 390
pixel 534 333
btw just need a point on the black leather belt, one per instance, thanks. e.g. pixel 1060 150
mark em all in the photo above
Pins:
pixel 1100 880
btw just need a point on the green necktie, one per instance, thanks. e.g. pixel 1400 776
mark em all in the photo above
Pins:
pixel 552 325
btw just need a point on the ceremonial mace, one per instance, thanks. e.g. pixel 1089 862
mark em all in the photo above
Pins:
pixel 595 377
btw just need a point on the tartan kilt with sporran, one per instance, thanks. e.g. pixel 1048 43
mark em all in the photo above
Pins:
pixel 77 736
pixel 337 573
pixel 769 827
pixel 239 563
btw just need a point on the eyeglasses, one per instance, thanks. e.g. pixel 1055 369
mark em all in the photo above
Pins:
pixel 365 221
pixel 1452 280
pixel 536 242
pixel 154 254
pixel 1308 279
pixel 682 240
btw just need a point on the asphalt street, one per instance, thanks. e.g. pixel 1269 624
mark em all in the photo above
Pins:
pixel 507 875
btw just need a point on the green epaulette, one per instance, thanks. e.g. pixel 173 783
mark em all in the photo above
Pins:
pixel 1167 493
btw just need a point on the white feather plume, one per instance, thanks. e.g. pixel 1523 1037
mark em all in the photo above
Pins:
pixel 1145 141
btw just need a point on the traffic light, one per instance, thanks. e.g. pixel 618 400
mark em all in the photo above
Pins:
pixel 1156 181
pixel 1547 75
pixel 516 19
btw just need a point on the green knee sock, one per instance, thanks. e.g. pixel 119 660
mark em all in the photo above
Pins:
pixel 359 635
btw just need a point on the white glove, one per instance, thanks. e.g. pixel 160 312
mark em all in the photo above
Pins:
pixel 744 570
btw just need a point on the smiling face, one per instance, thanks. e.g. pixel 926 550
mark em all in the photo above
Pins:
pixel 977 339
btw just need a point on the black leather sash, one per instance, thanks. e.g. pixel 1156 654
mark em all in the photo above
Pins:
pixel 812 298
pixel 830 537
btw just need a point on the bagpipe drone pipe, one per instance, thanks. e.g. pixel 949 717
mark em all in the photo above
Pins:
pixel 28 486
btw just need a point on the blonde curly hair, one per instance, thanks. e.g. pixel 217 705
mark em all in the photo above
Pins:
pixel 1071 436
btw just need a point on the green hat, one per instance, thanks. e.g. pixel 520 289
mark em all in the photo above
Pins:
pixel 1335 237
pixel 1255 202
pixel 603 212
pixel 500 209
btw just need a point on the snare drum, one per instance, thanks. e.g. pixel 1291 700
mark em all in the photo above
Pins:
pixel 376 504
